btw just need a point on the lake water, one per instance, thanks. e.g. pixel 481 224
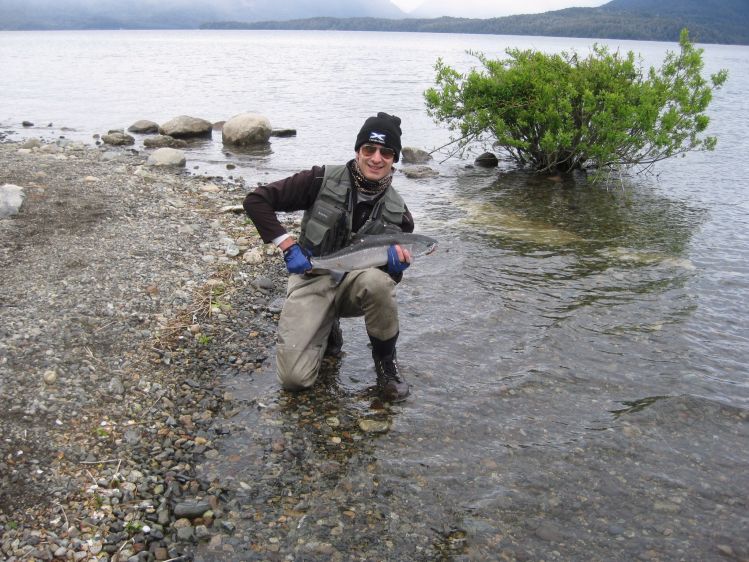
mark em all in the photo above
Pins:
pixel 578 354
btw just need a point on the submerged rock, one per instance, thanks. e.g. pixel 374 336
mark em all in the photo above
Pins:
pixel 420 172
pixel 487 160
pixel 161 141
pixel 412 155
pixel 374 426
pixel 283 133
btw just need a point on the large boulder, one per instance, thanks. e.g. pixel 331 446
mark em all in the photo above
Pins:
pixel 167 157
pixel 185 126
pixel 246 129
pixel 144 126
pixel 11 199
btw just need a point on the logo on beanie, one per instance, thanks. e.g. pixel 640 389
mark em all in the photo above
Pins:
pixel 377 137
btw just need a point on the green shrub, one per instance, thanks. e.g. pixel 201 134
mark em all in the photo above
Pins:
pixel 561 112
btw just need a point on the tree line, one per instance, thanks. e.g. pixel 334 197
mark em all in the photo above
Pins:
pixel 595 23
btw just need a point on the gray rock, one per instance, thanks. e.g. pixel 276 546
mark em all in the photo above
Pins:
pixel 202 533
pixel 420 172
pixel 161 141
pixel 549 532
pixel 374 426
pixel 73 146
pixel 487 160
pixel 263 283
pixel 246 129
pixel 11 199
pixel 191 509
pixel 185 126
pixel 118 139
pixel 231 250
pixel 185 533
pixel 110 155
pixel 144 126
pixel 50 149
pixel 132 436
pixel 167 157
pixel 27 124
pixel 32 143
pixel 411 155
pixel 283 133
pixel 276 306
pixel 253 256
pixel 116 387
pixel 239 209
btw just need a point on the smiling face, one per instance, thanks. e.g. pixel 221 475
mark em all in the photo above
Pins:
pixel 372 163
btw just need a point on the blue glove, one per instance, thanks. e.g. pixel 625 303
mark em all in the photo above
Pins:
pixel 297 259
pixel 394 264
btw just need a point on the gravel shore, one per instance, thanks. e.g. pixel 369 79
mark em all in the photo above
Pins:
pixel 126 291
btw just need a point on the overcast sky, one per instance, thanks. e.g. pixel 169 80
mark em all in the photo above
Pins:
pixel 494 8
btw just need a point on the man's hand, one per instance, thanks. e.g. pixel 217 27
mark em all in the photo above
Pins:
pixel 398 259
pixel 297 259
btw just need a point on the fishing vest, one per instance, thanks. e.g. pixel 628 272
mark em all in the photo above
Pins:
pixel 326 226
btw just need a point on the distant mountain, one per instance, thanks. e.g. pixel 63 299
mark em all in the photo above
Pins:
pixel 708 21
pixel 175 14
pixel 450 8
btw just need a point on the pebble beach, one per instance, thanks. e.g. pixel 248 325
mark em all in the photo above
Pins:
pixel 126 290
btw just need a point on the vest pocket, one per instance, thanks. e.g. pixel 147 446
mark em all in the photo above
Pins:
pixel 320 230
pixel 393 211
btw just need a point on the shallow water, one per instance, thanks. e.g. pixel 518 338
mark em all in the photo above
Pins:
pixel 577 353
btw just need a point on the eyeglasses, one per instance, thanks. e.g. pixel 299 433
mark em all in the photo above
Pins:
pixel 370 149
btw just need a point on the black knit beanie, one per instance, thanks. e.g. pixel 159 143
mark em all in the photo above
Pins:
pixel 384 129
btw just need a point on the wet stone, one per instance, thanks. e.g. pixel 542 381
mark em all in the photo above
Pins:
pixel 374 426
pixel 549 532
pixel 185 533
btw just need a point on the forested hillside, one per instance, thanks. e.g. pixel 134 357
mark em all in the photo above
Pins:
pixel 708 21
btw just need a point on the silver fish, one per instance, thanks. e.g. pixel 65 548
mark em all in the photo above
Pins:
pixel 372 251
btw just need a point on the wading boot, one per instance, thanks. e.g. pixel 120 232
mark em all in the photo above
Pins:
pixel 335 340
pixel 390 384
